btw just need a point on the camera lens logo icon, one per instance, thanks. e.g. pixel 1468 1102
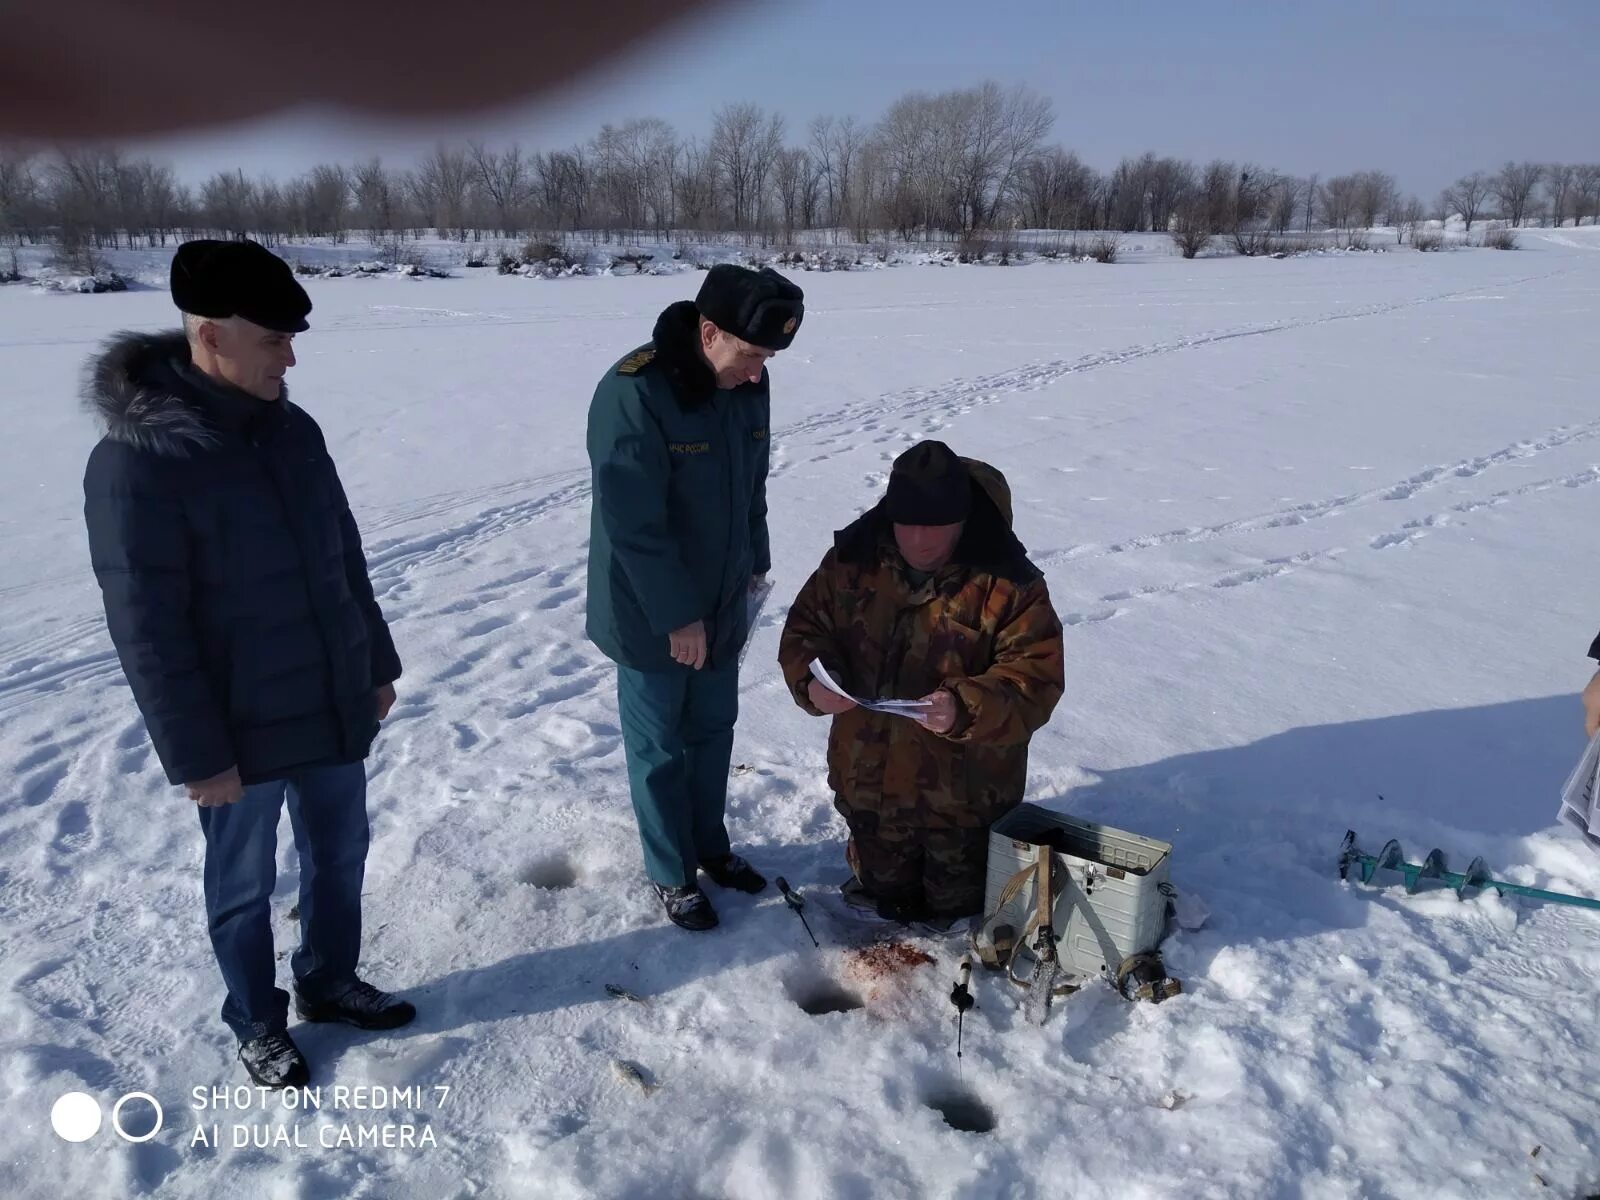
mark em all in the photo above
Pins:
pixel 77 1117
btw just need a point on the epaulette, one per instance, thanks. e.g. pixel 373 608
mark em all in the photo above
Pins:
pixel 637 361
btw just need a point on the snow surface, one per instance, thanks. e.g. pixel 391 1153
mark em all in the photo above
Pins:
pixel 1320 531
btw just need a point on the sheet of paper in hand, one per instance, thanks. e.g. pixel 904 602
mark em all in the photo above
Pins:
pixel 900 708
pixel 1580 799
pixel 756 600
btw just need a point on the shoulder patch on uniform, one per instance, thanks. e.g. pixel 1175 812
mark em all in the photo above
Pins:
pixel 636 361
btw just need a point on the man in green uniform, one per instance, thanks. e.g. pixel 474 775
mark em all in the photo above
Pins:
pixel 678 448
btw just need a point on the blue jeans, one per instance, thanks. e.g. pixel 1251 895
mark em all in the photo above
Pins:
pixel 328 812
pixel 677 730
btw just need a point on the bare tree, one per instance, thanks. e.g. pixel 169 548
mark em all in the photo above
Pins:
pixel 745 142
pixel 325 196
pixel 1169 183
pixel 994 134
pixel 441 185
pixel 1191 227
pixel 634 166
pixel 695 186
pixel 1285 203
pixel 848 139
pixel 651 148
pixel 1252 197
pixel 906 143
pixel 821 143
pixel 792 178
pixel 1586 194
pixel 268 211
pixel 163 201
pixel 1310 193
pixel 378 199
pixel 565 184
pixel 506 180
pixel 228 201
pixel 870 181
pixel 86 194
pixel 619 199
pixel 20 185
pixel 1133 194
pixel 1218 191
pixel 810 194
pixel 1442 210
pixel 1374 194
pixel 1560 180
pixel 1513 187
pixel 1056 190
pixel 1339 200
pixel 1467 196
pixel 1409 217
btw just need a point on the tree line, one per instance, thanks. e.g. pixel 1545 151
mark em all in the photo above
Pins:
pixel 937 166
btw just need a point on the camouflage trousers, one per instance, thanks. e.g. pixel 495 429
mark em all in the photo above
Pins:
pixel 937 872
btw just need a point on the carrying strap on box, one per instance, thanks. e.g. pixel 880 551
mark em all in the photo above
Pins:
pixel 1000 946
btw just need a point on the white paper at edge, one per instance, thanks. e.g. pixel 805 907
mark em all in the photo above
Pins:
pixel 755 601
pixel 1579 806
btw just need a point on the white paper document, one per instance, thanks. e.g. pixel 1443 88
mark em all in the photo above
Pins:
pixel 1580 799
pixel 900 708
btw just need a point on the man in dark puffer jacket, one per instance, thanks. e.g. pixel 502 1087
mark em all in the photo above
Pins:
pixel 237 596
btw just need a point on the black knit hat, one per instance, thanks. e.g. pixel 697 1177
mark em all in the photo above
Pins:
pixel 762 307
pixel 929 485
pixel 238 279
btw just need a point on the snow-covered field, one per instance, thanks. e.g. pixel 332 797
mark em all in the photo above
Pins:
pixel 1321 530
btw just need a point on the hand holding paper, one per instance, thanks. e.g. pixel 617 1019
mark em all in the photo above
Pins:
pixel 915 709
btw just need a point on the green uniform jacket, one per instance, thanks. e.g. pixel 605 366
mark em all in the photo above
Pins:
pixel 679 520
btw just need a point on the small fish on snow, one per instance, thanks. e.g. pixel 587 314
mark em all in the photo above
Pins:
pixel 630 1074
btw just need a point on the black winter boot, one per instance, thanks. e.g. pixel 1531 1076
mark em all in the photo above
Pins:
pixel 734 872
pixel 360 1004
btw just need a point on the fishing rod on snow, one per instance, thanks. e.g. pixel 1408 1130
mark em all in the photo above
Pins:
pixel 796 902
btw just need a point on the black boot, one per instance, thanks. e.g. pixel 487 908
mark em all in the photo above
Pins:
pixel 274 1061
pixel 360 1004
pixel 687 907
pixel 734 872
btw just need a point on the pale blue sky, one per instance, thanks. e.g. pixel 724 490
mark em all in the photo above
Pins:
pixel 1424 89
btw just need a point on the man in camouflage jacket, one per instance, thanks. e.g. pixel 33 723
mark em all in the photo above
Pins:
pixel 929 595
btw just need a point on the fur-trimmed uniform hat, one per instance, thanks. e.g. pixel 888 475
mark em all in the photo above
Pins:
pixel 238 279
pixel 762 307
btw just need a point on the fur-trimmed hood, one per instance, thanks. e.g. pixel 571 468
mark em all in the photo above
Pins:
pixel 145 392
pixel 676 338
pixel 988 542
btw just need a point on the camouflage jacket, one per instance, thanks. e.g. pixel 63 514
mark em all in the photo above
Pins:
pixel 982 626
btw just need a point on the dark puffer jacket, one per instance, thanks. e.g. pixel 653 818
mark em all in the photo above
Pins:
pixel 235 588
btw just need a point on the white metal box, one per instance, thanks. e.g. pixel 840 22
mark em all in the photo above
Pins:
pixel 1112 886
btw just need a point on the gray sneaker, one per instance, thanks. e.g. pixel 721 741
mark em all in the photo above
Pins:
pixel 687 907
